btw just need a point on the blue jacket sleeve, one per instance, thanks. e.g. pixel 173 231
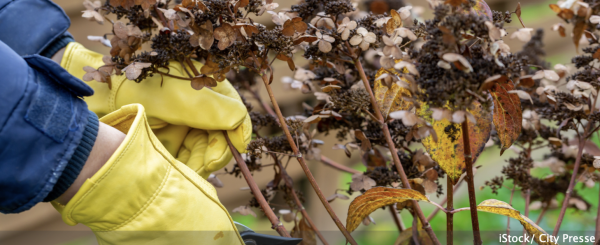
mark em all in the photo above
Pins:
pixel 46 130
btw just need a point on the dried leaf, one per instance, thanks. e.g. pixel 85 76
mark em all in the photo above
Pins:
pixel 361 182
pixel 502 208
pixel 508 116
pixel 580 26
pixel 365 142
pixel 394 22
pixel 391 99
pixel 293 25
pixel 202 81
pixel 304 231
pixel 555 8
pixel 376 198
pixel 522 95
pixel 518 13
pixel 134 70
pixel 205 35
pixel 373 159
pixel 244 210
pixel 448 150
pixel 337 196
pixel 226 36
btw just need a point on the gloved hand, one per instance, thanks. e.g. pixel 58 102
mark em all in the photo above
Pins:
pixel 142 195
pixel 188 122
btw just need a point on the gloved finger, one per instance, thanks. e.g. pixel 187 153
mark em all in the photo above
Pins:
pixel 175 102
pixel 217 153
pixel 240 137
pixel 171 136
pixel 193 149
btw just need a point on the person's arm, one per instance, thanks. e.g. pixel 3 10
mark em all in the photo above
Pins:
pixel 107 141
pixel 50 143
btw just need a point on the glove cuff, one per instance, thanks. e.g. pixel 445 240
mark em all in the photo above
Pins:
pixel 77 160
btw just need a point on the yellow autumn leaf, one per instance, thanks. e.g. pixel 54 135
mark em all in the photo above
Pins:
pixel 375 198
pixel 448 150
pixel 502 208
pixel 391 99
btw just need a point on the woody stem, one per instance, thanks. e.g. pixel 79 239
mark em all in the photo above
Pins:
pixel 470 182
pixel 288 182
pixel 302 163
pixel 392 147
pixel 277 225
pixel 449 215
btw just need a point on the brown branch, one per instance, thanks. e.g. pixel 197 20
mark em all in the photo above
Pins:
pixel 191 65
pixel 288 182
pixel 449 215
pixel 539 219
pixel 302 163
pixel 512 194
pixel 396 217
pixel 338 166
pixel 470 182
pixel 392 148
pixel 565 203
pixel 277 225
pixel 430 217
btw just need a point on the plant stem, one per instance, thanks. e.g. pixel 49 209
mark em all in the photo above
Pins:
pixel 471 182
pixel 539 219
pixel 338 166
pixel 565 203
pixel 512 194
pixel 191 65
pixel 449 215
pixel 277 225
pixel 396 217
pixel 288 182
pixel 392 147
pixel 302 163
pixel 430 217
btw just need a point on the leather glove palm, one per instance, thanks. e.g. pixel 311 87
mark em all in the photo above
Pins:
pixel 188 122
pixel 142 195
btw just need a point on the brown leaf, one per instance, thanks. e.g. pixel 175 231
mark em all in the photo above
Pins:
pixel 289 60
pixel 447 36
pixel 293 25
pixel 596 54
pixel 518 13
pixel 202 81
pixel 394 22
pixel 373 159
pixel 566 14
pixel 448 150
pixel 241 4
pixel 502 208
pixel 205 35
pixel 376 198
pixel 555 8
pixel 365 142
pixel 226 35
pixel 391 99
pixel 244 210
pixel 305 38
pixel 508 116
pixel 304 231
pixel 526 81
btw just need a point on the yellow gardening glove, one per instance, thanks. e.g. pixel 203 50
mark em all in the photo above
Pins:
pixel 142 195
pixel 188 122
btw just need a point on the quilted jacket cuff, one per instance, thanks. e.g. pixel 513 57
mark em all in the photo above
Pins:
pixel 78 159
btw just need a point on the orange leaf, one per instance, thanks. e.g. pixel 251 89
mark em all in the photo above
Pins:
pixel 394 22
pixel 375 198
pixel 448 150
pixel 391 99
pixel 305 231
pixel 293 25
pixel 578 32
pixel 555 8
pixel 507 112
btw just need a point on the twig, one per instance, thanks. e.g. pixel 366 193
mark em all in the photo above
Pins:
pixel 470 182
pixel 191 65
pixel 430 217
pixel 288 182
pixel 338 166
pixel 539 219
pixel 512 193
pixel 527 192
pixel 597 221
pixel 397 218
pixel 277 225
pixel 302 163
pixel 392 148
pixel 449 215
